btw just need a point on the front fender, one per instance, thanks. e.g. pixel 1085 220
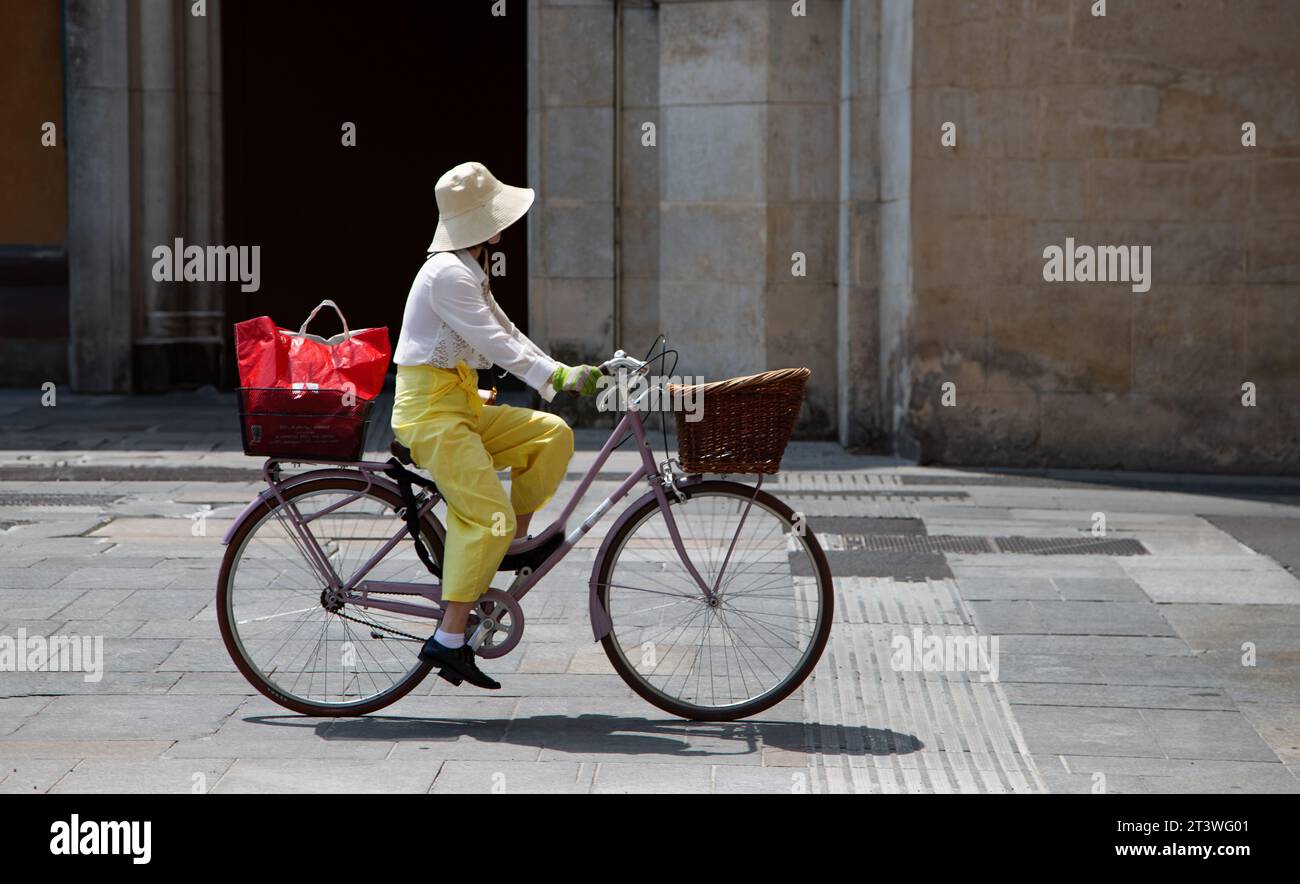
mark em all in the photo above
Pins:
pixel 292 481
pixel 600 622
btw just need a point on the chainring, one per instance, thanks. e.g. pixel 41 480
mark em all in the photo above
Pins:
pixel 508 623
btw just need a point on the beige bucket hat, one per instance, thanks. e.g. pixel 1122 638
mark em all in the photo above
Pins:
pixel 473 207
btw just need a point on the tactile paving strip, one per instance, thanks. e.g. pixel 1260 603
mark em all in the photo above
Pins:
pixel 871 728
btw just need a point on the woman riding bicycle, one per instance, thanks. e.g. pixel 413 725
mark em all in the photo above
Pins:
pixel 451 327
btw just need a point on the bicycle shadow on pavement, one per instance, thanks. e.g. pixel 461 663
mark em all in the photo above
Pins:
pixel 615 734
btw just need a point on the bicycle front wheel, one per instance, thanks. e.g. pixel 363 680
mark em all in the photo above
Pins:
pixel 759 639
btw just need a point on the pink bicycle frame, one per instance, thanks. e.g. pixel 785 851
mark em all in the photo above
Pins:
pixel 363 593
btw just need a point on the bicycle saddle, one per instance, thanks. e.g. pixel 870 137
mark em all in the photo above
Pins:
pixel 401 452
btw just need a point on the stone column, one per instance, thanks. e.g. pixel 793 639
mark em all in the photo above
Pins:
pixel 859 420
pixel 638 204
pixel 896 296
pixel 144 167
pixel 571 165
pixel 100 258
pixel 179 142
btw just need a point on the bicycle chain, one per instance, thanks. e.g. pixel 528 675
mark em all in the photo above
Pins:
pixel 375 626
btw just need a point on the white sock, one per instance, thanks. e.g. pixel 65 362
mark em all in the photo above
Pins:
pixel 449 639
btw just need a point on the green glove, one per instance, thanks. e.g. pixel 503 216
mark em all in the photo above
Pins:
pixel 580 379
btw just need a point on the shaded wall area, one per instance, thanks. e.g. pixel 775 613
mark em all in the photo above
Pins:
pixel 352 221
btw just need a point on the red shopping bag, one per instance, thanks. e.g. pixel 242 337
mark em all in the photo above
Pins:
pixel 352 362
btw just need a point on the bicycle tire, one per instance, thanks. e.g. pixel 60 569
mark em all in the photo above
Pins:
pixel 230 636
pixel 774 695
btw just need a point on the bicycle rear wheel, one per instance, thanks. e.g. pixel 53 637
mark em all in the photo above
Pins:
pixel 273 612
pixel 771 620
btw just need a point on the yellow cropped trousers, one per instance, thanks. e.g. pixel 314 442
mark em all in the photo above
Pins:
pixel 461 442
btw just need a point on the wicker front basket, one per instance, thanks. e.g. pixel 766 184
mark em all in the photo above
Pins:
pixel 746 422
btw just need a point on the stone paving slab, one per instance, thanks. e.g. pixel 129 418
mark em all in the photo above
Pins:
pixel 28 776
pixel 299 775
pixel 1279 726
pixel 1083 775
pixel 1111 696
pixel 160 776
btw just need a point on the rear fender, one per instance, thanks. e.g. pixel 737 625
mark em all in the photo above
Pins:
pixel 267 497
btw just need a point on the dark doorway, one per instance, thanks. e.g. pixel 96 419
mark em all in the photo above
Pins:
pixel 427 84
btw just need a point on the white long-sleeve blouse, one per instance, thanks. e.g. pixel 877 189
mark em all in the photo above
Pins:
pixel 451 315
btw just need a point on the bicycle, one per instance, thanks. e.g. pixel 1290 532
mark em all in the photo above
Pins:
pixel 311 588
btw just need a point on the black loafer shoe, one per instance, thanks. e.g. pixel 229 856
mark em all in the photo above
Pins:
pixel 457 664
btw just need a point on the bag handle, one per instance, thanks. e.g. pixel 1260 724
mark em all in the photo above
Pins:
pixel 326 303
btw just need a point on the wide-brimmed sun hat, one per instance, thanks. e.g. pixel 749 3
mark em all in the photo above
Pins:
pixel 473 207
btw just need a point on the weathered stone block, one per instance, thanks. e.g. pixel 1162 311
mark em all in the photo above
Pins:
pixel 1186 339
pixel 640 253
pixel 1270 324
pixel 801 322
pixel 640 314
pixel 950 333
pixel 729 316
pixel 640 57
pixel 714 152
pixel 1274 252
pixel 802 160
pixel 577 55
pixel 1001 123
pixel 984 427
pixel 804 60
pixel 1038 189
pixel 957 55
pixel 931 108
pixel 1061 338
pixel 1192 34
pixel 951 252
pixel 864 264
pixel 809 228
pixel 1132 189
pixel 640 162
pixel 951 186
pixel 578 153
pixel 580 312
pixel 719 243
pixel 1219 190
pixel 864 154
pixel 576 239
pixel 714 52
pixel 1277 189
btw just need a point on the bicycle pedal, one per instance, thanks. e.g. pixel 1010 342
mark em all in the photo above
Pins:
pixel 451 677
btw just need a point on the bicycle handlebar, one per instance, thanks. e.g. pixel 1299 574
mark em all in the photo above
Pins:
pixel 622 360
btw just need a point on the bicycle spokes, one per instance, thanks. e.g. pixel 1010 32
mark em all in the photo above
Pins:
pixel 746 643
pixel 295 627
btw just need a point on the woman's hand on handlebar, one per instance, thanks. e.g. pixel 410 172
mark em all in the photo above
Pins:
pixel 581 379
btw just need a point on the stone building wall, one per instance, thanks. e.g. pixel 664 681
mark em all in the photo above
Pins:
pixel 816 137
pixel 752 110
pixel 1123 129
